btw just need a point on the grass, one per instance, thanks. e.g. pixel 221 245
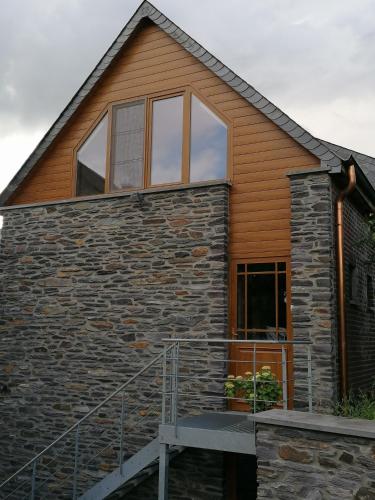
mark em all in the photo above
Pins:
pixel 357 405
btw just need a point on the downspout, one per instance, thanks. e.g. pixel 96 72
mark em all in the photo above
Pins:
pixel 341 278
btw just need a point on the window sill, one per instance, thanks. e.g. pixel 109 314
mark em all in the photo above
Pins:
pixel 122 194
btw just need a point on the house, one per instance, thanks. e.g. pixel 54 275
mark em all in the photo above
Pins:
pixel 171 199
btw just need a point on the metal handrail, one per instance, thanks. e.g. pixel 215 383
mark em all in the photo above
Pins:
pixel 175 358
pixel 237 341
pixel 83 419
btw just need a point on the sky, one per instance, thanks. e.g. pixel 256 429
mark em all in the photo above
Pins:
pixel 315 60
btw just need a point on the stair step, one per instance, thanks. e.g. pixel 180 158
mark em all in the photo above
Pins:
pixel 134 465
pixel 143 475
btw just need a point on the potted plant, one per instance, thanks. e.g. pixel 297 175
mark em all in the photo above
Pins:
pixel 268 391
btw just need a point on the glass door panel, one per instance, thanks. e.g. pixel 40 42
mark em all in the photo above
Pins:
pixel 261 301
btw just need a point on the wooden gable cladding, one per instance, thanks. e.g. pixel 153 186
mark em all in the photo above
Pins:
pixel 261 153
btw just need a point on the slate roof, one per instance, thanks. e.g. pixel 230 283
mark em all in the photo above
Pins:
pixel 322 150
pixel 367 163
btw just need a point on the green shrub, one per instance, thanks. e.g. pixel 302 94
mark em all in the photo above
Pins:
pixel 268 390
pixel 357 405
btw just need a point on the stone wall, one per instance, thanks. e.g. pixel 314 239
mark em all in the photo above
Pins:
pixel 313 283
pixel 315 457
pixel 89 290
pixel 360 308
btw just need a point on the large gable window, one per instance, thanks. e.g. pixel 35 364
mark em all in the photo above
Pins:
pixel 164 140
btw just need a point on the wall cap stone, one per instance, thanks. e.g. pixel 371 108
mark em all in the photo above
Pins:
pixel 141 193
pixel 308 171
pixel 317 422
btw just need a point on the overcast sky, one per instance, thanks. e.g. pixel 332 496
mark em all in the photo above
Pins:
pixel 315 60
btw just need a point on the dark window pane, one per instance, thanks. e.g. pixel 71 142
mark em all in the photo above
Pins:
pixel 281 266
pixel 91 161
pixel 240 268
pixel 127 147
pixel 166 154
pixel 370 292
pixel 261 267
pixel 282 303
pixel 261 306
pixel 208 146
pixel 241 301
pixel 353 284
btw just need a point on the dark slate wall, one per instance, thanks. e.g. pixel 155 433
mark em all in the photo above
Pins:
pixel 360 310
pixel 313 286
pixel 89 289
pixel 303 463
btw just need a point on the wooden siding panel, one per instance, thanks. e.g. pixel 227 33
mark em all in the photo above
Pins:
pixel 262 153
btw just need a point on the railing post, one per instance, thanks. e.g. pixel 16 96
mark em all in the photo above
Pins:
pixel 75 472
pixel 309 378
pixel 163 472
pixel 164 389
pixel 173 383
pixel 33 478
pixel 255 378
pixel 169 384
pixel 177 353
pixel 122 419
pixel 284 377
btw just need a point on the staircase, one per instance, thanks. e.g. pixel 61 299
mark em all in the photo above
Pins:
pixel 88 463
pixel 146 457
pixel 72 466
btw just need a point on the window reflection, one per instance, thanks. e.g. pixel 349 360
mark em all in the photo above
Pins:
pixel 91 161
pixel 128 147
pixel 208 146
pixel 166 148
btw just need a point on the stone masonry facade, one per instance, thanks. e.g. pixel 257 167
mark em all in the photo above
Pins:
pixel 89 290
pixel 360 304
pixel 313 284
pixel 314 465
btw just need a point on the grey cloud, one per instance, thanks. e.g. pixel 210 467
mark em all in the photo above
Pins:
pixel 303 55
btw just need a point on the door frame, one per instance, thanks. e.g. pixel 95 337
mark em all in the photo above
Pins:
pixel 233 312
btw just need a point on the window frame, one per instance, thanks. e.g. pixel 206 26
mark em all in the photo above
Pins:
pixel 186 92
pixel 233 289
pixel 147 184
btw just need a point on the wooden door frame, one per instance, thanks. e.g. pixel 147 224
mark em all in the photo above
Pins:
pixel 233 312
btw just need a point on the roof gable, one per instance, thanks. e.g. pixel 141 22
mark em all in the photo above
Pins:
pixel 147 11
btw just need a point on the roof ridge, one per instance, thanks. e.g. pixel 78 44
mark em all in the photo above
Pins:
pixel 248 92
pixel 348 149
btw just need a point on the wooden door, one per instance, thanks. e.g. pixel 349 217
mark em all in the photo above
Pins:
pixel 260 311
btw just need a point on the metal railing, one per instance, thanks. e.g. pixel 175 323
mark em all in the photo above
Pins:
pixel 36 473
pixel 188 378
pixel 200 376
